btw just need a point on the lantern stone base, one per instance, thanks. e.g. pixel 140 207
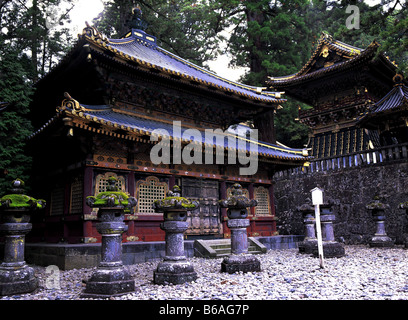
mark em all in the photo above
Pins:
pixel 17 281
pixel 307 246
pixel 174 272
pixel 109 282
pixel 381 242
pixel 331 249
pixel 241 262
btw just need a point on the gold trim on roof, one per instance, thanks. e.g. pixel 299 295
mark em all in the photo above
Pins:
pixel 325 44
pixel 92 34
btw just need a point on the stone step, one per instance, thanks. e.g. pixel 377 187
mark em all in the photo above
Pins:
pixel 222 247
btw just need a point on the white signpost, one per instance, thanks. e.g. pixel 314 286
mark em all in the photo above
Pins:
pixel 317 200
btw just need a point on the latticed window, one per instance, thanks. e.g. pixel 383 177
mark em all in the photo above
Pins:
pixel 76 195
pixel 261 195
pixel 102 182
pixel 57 200
pixel 147 191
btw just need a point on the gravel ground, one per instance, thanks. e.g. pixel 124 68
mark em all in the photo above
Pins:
pixel 363 274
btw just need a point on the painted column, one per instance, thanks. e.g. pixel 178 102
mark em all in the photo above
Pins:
pixel 87 211
pixel 223 195
pixel 272 205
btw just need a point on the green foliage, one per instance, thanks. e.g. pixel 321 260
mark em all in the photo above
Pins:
pixel 290 132
pixel 187 28
pixel 35 29
pixel 14 125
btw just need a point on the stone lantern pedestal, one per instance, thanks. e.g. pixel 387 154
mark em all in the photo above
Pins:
pixel 15 210
pixel 380 239
pixel 110 278
pixel 310 242
pixel 331 248
pixel 239 260
pixel 174 269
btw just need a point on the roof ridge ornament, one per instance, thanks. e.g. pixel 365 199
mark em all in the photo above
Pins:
pixel 92 32
pixel 398 80
pixel 136 22
pixel 70 103
pixel 327 36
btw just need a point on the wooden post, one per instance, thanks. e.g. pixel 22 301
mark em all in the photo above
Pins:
pixel 87 191
pixel 223 195
pixel 317 200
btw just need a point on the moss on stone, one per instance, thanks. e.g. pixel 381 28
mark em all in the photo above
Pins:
pixel 120 198
pixel 20 201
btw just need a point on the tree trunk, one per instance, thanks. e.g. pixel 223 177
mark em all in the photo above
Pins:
pixel 34 41
pixel 254 13
pixel 265 125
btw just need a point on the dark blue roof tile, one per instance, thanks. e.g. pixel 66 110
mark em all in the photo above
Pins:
pixel 392 100
pixel 129 122
pixel 138 47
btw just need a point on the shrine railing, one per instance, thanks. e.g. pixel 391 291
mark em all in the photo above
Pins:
pixel 357 159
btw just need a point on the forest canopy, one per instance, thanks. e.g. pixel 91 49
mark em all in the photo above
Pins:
pixel 268 38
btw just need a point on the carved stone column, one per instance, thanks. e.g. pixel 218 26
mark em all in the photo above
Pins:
pixel 237 213
pixel 174 268
pixel 15 211
pixel 110 278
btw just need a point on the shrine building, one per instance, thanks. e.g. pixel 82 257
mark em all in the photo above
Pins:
pixel 97 114
pixel 389 116
pixel 340 82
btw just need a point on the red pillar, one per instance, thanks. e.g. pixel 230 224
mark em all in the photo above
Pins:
pixel 272 205
pixel 223 195
pixel 251 196
pixel 88 191
pixel 130 222
pixel 172 181
pixel 131 184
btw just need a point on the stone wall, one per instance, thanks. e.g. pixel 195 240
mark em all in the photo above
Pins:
pixel 351 189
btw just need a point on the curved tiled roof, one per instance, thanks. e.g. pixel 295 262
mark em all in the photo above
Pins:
pixel 397 97
pixel 134 124
pixel 351 53
pixel 142 49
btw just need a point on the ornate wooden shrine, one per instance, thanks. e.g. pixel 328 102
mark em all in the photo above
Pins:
pixel 340 82
pixel 117 93
pixel 389 116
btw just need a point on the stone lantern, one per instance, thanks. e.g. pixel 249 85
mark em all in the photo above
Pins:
pixel 237 214
pixel 15 211
pixel 377 209
pixel 310 240
pixel 331 248
pixel 174 268
pixel 404 205
pixel 110 277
